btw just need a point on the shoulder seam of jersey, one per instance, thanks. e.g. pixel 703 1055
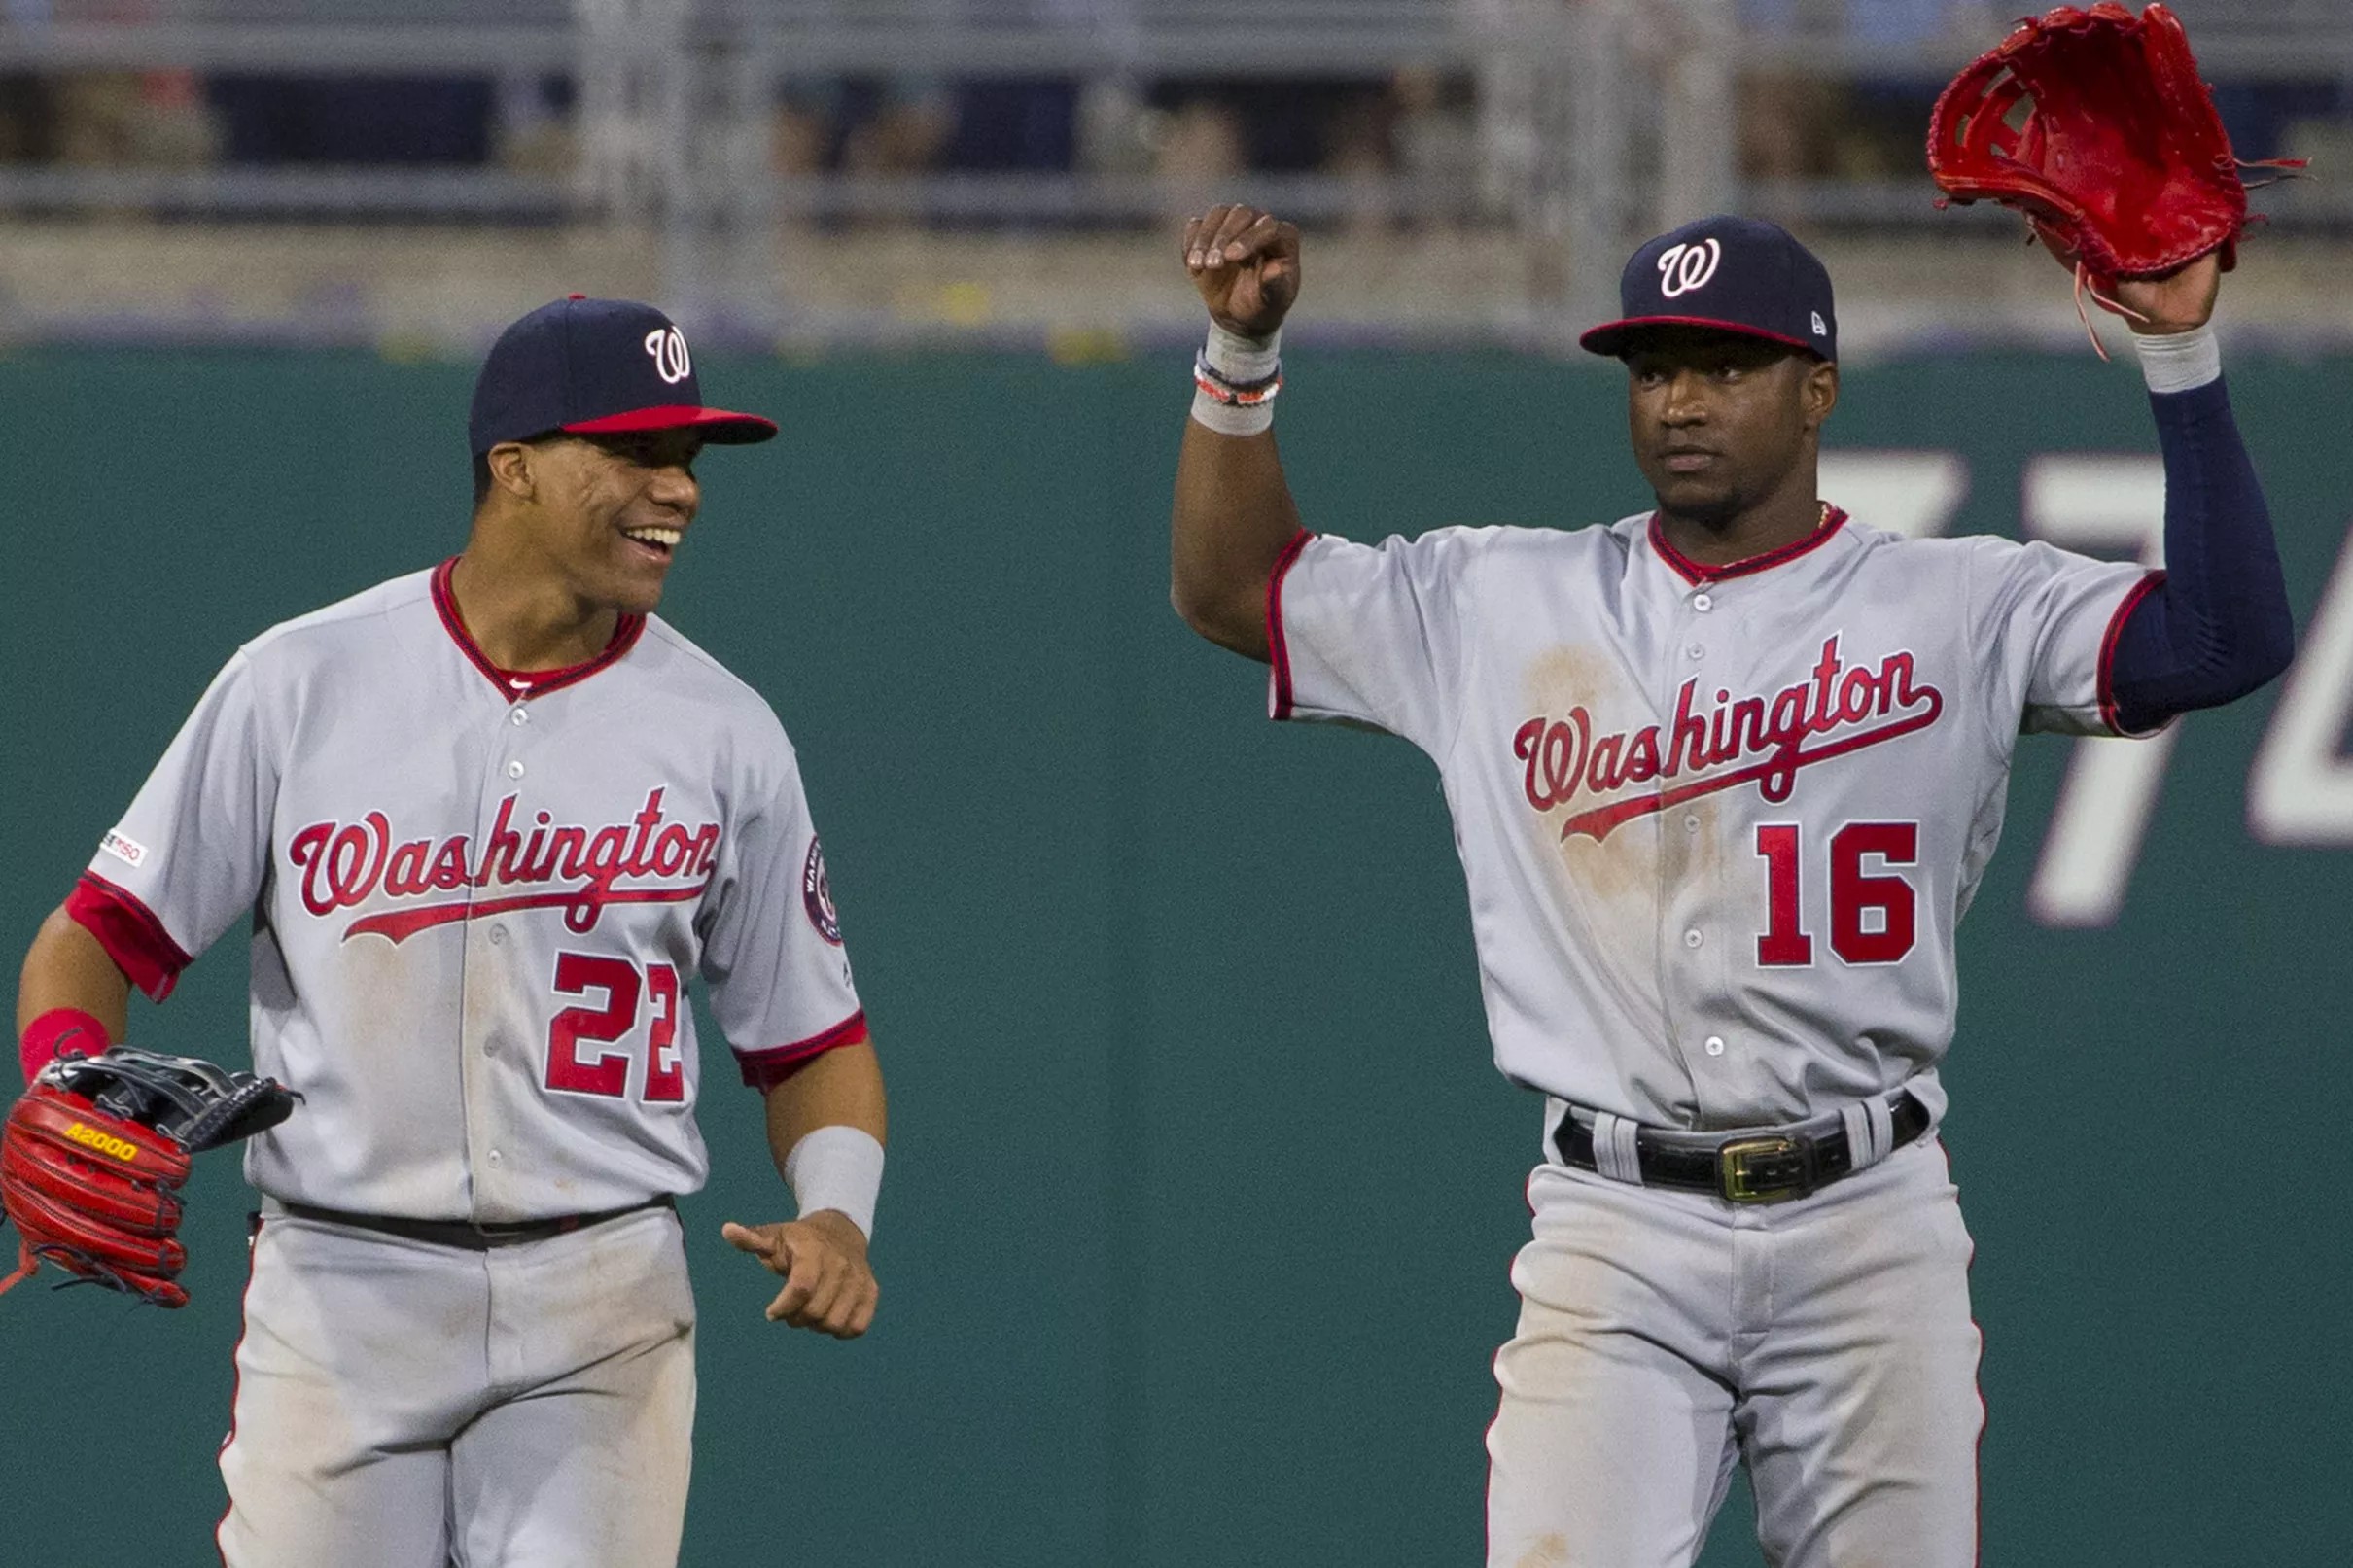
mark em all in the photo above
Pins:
pixel 348 609
pixel 670 635
pixel 1471 648
pixel 1989 669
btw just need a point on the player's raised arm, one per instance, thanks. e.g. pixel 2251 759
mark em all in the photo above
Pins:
pixel 1233 512
pixel 2217 626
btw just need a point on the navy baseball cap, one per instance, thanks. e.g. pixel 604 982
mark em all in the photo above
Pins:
pixel 1735 274
pixel 588 366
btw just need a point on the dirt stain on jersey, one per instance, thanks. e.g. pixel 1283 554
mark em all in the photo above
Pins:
pixel 1545 1552
pixel 1611 884
pixel 379 990
pixel 1624 864
pixel 1570 676
pixel 498 995
pixel 1692 845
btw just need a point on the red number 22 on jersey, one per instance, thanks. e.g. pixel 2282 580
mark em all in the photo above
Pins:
pixel 607 1073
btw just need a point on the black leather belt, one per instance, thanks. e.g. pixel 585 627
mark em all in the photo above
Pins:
pixel 1745 1168
pixel 465 1233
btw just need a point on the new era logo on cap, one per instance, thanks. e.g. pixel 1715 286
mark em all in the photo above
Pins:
pixel 596 367
pixel 1735 274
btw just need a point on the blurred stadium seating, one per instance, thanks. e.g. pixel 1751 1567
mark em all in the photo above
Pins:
pixel 831 169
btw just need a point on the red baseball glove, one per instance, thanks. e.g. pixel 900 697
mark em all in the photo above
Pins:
pixel 91 1161
pixel 2119 161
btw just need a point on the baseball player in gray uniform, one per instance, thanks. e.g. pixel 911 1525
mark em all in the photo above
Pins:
pixel 489 820
pixel 1724 775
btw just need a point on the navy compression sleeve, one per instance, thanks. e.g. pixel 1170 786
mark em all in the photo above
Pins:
pixel 2218 626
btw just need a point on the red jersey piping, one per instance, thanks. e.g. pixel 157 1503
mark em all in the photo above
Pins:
pixel 765 1068
pixel 1691 571
pixel 130 932
pixel 2110 714
pixel 1278 651
pixel 515 685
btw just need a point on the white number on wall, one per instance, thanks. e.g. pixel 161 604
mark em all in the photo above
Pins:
pixel 1914 494
pixel 2101 506
pixel 2301 791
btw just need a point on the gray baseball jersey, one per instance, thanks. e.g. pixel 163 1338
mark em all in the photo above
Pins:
pixel 476 900
pixel 1718 826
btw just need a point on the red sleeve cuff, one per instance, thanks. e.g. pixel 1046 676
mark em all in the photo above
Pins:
pixel 130 934
pixel 1278 652
pixel 2109 713
pixel 763 1069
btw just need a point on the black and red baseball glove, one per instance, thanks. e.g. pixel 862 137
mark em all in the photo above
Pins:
pixel 91 1161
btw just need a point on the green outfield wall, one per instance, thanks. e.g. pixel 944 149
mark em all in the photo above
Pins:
pixel 1202 1186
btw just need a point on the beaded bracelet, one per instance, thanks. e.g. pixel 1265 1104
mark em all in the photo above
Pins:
pixel 1235 394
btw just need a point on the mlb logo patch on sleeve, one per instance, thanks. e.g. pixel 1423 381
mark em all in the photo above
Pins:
pixel 123 846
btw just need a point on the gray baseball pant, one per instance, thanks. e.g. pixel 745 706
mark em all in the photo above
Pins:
pixel 1666 1336
pixel 406 1405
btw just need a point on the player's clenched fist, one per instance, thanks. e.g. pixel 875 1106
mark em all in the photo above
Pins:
pixel 1246 263
pixel 822 1257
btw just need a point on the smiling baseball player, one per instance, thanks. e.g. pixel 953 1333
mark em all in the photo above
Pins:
pixel 489 820
pixel 1724 775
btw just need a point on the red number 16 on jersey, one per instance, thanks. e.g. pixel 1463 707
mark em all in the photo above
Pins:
pixel 1854 893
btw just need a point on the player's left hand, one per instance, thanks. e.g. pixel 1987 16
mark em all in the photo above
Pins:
pixel 2177 302
pixel 822 1257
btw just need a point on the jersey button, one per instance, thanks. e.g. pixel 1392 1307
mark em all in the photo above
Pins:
pixel 498 936
pixel 1696 651
pixel 1715 1048
pixel 1691 823
pixel 1702 602
pixel 514 769
pixel 1692 939
pixel 496 1157
pixel 521 716
pixel 491 1046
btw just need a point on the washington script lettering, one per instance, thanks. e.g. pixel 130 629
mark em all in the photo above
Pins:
pixel 1566 763
pixel 342 866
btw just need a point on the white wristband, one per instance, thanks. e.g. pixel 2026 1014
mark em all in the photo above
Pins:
pixel 1243 361
pixel 1227 420
pixel 837 1168
pixel 2176 361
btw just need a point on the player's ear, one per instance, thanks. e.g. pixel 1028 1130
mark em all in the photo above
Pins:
pixel 1819 392
pixel 511 469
